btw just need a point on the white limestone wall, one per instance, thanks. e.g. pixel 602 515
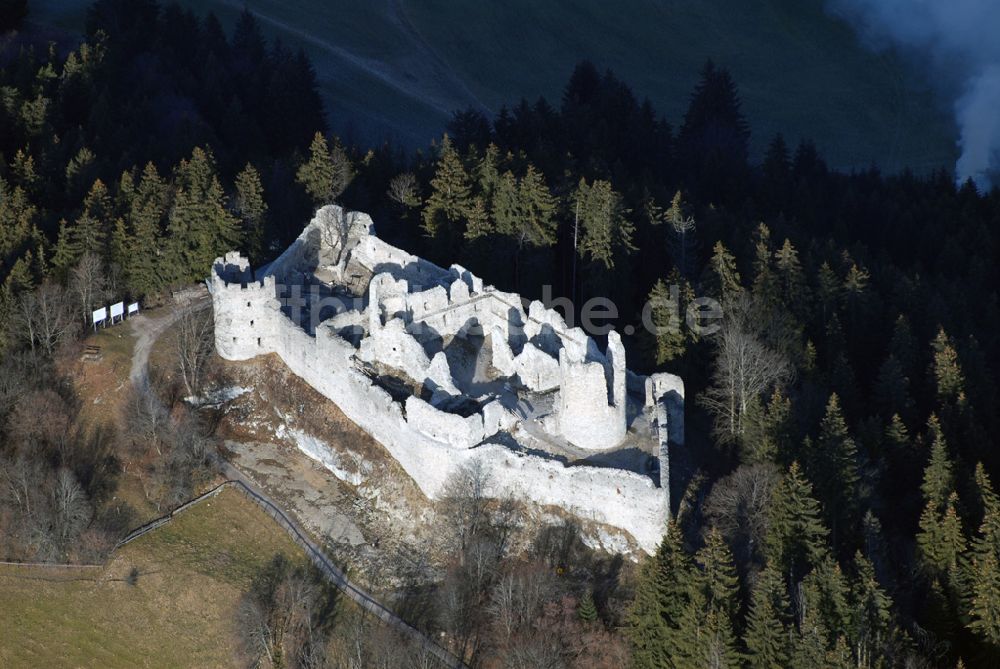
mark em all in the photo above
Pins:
pixel 592 402
pixel 441 426
pixel 246 313
pixel 668 390
pixel 614 497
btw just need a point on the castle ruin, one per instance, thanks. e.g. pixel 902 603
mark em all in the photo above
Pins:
pixel 441 369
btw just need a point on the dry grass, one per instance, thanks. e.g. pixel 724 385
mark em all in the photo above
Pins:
pixel 180 612
pixel 102 384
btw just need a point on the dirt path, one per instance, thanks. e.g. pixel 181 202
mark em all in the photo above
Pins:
pixel 148 329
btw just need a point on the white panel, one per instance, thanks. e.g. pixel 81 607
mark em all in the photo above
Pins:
pixel 117 309
pixel 133 308
pixel 100 315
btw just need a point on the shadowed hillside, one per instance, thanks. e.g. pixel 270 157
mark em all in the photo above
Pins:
pixel 398 68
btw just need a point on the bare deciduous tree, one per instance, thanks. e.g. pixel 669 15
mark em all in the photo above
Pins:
pixel 44 318
pixel 70 506
pixel 146 421
pixel 738 506
pixel 465 504
pixel 403 190
pixel 88 285
pixel 194 346
pixel 745 368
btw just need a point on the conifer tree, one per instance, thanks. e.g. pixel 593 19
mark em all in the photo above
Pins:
pixel 447 208
pixel 940 538
pixel 587 610
pixel 827 290
pixel 723 280
pixel 604 225
pixel 892 388
pixel 765 281
pixel 682 230
pixel 250 207
pixel 487 172
pixel 791 278
pixel 766 637
pixel 535 224
pixel 870 615
pixel 503 209
pixel 982 570
pixel 769 435
pixel 143 271
pixel 836 468
pixel 200 227
pixel 832 591
pixel 903 346
pixel 796 536
pixel 938 479
pixel 896 435
pixel 663 595
pixel 949 382
pixel 809 647
pixel 667 337
pixel 327 173
pixel 88 233
pixel 705 636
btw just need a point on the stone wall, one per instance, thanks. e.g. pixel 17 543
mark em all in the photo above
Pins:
pixel 430 443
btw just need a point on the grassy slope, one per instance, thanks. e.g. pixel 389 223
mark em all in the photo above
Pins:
pixel 180 613
pixel 397 66
pixel 799 70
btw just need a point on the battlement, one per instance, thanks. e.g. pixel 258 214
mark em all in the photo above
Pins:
pixel 437 366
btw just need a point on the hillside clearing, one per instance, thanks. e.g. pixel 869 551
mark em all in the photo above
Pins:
pixel 180 612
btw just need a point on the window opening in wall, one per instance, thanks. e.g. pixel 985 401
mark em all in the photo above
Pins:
pixel 251 323
pixel 234 340
pixel 258 341
pixel 248 304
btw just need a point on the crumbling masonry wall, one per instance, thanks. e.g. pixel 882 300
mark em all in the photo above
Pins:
pixel 430 443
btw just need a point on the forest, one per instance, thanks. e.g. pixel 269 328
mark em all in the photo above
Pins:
pixel 834 505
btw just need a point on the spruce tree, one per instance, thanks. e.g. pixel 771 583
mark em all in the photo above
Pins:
pixel 146 210
pixel 892 389
pixel 535 225
pixel 766 636
pixel 796 537
pixel 765 281
pixel 663 595
pixel 88 233
pixel 791 278
pixel 982 567
pixel 836 468
pixel 832 591
pixel 949 382
pixel 250 207
pixel 938 478
pixel 667 337
pixel 870 615
pixel 200 227
pixel 769 433
pixel 705 636
pixel 681 228
pixel 605 230
pixel 827 290
pixel 809 647
pixel 451 192
pixel 587 610
pixel 723 280
pixel 327 173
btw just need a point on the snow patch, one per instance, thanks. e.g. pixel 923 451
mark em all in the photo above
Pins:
pixel 318 450
pixel 216 396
